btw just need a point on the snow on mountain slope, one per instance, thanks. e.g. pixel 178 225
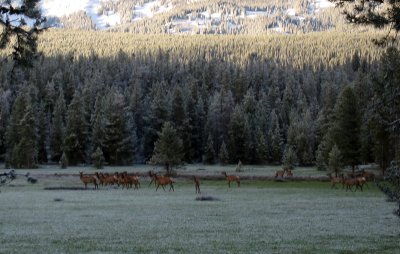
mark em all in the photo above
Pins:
pixel 59 8
pixel 110 13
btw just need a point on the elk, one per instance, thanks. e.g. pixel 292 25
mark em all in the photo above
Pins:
pixel 231 178
pixel 289 173
pixel 153 178
pixel 361 181
pixel 164 180
pixel 350 182
pixel 280 173
pixel 88 179
pixel 196 184
pixel 369 176
pixel 336 180
pixel 100 177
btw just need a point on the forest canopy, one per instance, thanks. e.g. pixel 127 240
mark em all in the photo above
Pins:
pixel 254 97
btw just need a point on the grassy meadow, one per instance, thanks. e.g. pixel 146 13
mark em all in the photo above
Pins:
pixel 258 217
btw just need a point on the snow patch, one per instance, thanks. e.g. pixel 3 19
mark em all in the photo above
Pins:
pixel 59 8
pixel 291 12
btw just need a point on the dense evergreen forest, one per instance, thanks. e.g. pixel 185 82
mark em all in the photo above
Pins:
pixel 230 98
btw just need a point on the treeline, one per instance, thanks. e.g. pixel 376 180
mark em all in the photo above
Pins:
pixel 244 98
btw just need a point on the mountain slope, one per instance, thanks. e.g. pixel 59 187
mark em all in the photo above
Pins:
pixel 193 16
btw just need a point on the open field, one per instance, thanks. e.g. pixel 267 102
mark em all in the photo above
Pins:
pixel 258 217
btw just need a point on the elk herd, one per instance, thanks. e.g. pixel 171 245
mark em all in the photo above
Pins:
pixel 352 180
pixel 127 181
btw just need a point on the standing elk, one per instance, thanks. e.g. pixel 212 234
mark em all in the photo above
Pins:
pixel 196 184
pixel 88 179
pixel 231 178
pixel 164 180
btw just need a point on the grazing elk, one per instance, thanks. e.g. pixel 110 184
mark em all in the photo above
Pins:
pixel 88 179
pixel 196 184
pixel 231 178
pixel 164 180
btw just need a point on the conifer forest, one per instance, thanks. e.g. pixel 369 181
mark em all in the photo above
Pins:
pixel 230 98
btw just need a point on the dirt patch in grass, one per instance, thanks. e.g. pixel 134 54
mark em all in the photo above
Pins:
pixel 67 188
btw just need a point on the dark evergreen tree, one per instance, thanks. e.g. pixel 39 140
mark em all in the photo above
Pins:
pixel 118 142
pixel 98 123
pixel 21 133
pixel 223 155
pixel 209 152
pixel 42 133
pixel 335 160
pixel 346 130
pixel 58 128
pixel 261 148
pixel 275 138
pixel 168 149
pixel 155 119
pixel 237 135
pixel 98 158
pixel 75 132
pixel 289 158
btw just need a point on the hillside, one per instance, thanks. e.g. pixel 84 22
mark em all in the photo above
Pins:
pixel 194 16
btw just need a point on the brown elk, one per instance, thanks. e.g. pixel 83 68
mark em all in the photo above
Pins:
pixel 289 173
pixel 350 182
pixel 100 177
pixel 86 179
pixel 336 180
pixel 164 180
pixel 361 181
pixel 196 184
pixel 152 177
pixel 369 176
pixel 231 178
pixel 280 173
pixel 108 179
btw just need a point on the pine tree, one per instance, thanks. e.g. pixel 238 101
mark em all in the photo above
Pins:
pixel 58 128
pixel 346 129
pixel 289 158
pixel 261 148
pixel 209 152
pixel 98 158
pixel 118 142
pixel 237 135
pixel 98 123
pixel 168 149
pixel 75 133
pixel 223 154
pixel 42 132
pixel 335 159
pixel 158 115
pixel 275 138
pixel 21 134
